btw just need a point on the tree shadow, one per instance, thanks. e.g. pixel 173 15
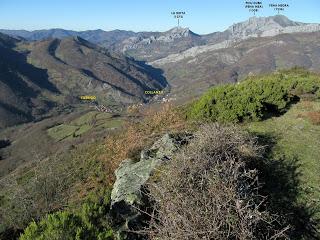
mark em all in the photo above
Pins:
pixel 271 110
pixel 4 143
pixel 281 183
pixel 10 234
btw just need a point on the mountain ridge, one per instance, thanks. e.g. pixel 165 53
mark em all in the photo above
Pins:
pixel 190 75
pixel 37 76
pixel 251 28
pixel 275 21
pixel 153 46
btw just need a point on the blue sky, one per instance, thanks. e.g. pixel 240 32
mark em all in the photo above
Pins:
pixel 202 16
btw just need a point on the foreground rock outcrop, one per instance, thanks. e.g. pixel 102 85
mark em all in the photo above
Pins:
pixel 128 196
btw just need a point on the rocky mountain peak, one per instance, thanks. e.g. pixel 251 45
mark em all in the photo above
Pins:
pixel 272 21
pixel 175 33
pixel 143 40
pixel 179 32
pixel 283 21
pixel 265 26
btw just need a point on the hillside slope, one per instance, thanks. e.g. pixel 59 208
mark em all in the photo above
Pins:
pixel 36 76
pixel 21 86
pixel 297 146
pixel 78 67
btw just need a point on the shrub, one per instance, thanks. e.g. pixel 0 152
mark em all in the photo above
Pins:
pixel 208 192
pixel 90 222
pixel 256 97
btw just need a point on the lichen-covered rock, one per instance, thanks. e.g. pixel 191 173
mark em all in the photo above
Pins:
pixel 165 147
pixel 127 194
pixel 131 175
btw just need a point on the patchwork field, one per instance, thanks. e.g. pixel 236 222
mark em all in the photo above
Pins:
pixel 81 125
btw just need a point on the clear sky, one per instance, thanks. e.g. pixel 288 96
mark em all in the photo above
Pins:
pixel 202 16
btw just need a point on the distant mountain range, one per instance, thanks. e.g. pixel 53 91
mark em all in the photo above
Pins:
pixel 151 46
pixel 42 68
pixel 258 45
pixel 176 39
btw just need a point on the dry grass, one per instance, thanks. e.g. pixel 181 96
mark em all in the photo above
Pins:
pixel 313 117
pixel 309 112
pixel 136 136
pixel 207 191
pixel 307 105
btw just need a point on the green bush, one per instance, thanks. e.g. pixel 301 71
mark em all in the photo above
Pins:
pixel 255 97
pixel 89 222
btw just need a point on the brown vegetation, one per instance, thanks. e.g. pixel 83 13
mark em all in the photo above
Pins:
pixel 137 135
pixel 307 105
pixel 208 191
pixel 312 116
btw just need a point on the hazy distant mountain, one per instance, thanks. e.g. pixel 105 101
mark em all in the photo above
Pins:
pixel 95 36
pixel 40 34
pixel 149 43
pixel 36 75
pixel 178 43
